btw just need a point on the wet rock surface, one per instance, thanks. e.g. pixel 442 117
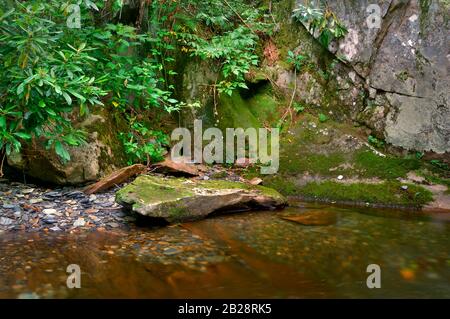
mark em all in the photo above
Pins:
pixel 313 218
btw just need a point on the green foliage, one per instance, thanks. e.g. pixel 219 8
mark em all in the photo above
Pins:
pixel 298 107
pixel 235 27
pixel 297 60
pixel 322 22
pixel 142 144
pixel 235 51
pixel 323 118
pixel 375 142
pixel 49 71
pixel 440 165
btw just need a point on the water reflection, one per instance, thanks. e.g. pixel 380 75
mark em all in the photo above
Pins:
pixel 258 255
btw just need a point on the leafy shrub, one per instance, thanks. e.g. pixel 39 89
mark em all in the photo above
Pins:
pixel 322 22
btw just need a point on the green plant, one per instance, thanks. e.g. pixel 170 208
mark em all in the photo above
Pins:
pixel 440 164
pixel 298 107
pixel 235 26
pixel 322 22
pixel 143 145
pixel 323 118
pixel 53 75
pixel 375 141
pixel 296 60
pixel 43 76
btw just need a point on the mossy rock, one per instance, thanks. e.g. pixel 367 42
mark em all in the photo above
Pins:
pixel 179 199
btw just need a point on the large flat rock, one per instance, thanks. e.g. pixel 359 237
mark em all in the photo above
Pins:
pixel 179 199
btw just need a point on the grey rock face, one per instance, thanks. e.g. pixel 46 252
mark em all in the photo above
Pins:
pixel 406 60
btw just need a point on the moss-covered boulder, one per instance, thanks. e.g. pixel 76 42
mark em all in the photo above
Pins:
pixel 179 200
pixel 101 155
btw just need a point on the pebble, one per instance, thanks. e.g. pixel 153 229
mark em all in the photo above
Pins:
pixel 50 211
pixel 171 251
pixel 80 222
pixel 53 194
pixel 5 221
pixel 36 200
pixel 404 187
pixel 340 177
pixel 50 220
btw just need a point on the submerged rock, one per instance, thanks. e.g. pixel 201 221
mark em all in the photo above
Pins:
pixel 177 200
pixel 314 218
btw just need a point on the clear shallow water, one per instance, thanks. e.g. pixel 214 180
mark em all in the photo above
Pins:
pixel 250 255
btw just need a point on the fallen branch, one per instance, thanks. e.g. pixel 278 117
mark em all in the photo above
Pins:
pixel 118 177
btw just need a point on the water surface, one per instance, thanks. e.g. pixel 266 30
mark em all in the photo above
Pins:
pixel 250 255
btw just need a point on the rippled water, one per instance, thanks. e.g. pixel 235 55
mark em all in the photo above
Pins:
pixel 251 255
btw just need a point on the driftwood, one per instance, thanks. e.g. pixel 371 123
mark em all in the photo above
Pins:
pixel 118 177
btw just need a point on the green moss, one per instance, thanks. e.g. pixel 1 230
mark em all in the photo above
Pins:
pixel 152 189
pixel 371 165
pixel 435 179
pixel 312 163
pixel 402 76
pixel 384 193
pixel 424 10
pixel 248 109
pixel 282 185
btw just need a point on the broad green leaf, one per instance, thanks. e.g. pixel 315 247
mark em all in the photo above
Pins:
pixel 67 97
pixel 23 135
pixel 61 151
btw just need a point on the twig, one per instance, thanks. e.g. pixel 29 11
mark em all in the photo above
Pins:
pixel 1 165
pixel 237 13
pixel 289 109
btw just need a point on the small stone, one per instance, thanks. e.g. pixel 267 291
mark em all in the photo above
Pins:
pixel 113 225
pixel 171 251
pixel 9 206
pixel 27 190
pixel 55 228
pixel 340 177
pixel 50 220
pixel 50 211
pixel 53 194
pixel 405 187
pixel 35 200
pixel 80 222
pixel 5 221
pixel 206 177
pixel 17 214
pixel 76 194
pixel 256 181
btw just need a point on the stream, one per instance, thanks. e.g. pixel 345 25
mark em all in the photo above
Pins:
pixel 247 255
